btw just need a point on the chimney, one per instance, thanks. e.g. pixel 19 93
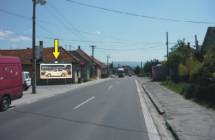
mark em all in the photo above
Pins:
pixel 188 44
pixel 40 43
pixel 39 51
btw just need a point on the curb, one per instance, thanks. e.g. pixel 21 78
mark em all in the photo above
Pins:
pixel 174 133
pixel 157 105
pixel 161 111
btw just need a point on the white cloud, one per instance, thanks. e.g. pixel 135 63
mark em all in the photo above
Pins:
pixel 27 31
pixel 5 33
pixel 12 37
pixel 98 32
pixel 20 38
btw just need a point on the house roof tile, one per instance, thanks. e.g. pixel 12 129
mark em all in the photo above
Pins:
pixel 83 56
pixel 209 39
pixel 26 54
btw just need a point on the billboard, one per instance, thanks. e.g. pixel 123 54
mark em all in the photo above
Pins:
pixel 55 71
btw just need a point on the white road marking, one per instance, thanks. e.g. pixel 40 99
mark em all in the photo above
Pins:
pixel 86 101
pixel 110 87
pixel 151 128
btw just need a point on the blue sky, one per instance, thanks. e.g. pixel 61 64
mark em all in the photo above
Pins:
pixel 124 38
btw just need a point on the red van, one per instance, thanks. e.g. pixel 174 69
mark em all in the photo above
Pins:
pixel 10 80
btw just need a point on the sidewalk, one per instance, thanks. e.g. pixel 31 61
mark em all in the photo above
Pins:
pixel 50 91
pixel 188 120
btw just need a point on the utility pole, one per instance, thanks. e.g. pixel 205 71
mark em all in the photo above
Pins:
pixel 167 45
pixel 196 43
pixel 108 65
pixel 34 63
pixel 70 47
pixel 167 52
pixel 141 67
pixel 66 47
pixel 93 71
pixel 141 64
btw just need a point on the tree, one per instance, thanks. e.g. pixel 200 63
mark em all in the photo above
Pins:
pixel 187 69
pixel 137 70
pixel 203 78
pixel 111 65
pixel 178 57
pixel 148 65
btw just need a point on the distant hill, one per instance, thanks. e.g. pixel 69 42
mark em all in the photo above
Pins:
pixel 130 63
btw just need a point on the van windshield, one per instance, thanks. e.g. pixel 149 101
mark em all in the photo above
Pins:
pixel 26 75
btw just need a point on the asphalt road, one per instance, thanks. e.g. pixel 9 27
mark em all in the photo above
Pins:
pixel 107 111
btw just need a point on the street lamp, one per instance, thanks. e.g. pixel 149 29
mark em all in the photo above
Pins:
pixel 108 56
pixel 35 2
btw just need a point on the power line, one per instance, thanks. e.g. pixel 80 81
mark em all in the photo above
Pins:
pixel 21 16
pixel 29 19
pixel 89 41
pixel 137 15
pixel 73 40
pixel 45 29
pixel 67 24
pixel 67 27
pixel 14 14
pixel 60 21
pixel 81 32
pixel 132 49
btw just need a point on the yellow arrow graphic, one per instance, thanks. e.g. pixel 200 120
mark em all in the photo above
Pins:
pixel 56 53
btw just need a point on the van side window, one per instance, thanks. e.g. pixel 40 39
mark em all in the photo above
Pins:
pixel 26 75
pixel 6 72
pixel 10 72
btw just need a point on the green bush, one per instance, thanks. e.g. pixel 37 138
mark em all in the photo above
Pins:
pixel 202 79
pixel 184 89
pixel 180 61
pixel 172 86
pixel 187 90
pixel 183 72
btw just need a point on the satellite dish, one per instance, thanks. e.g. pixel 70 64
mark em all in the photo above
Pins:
pixel 42 2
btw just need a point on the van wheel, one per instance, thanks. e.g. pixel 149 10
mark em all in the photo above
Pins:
pixel 5 103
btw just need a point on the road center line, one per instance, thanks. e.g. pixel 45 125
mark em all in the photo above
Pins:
pixel 110 87
pixel 86 101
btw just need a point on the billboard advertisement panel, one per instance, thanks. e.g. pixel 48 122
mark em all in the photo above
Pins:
pixel 55 71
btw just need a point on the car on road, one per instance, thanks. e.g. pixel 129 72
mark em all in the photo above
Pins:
pixel 11 83
pixel 121 72
pixel 26 80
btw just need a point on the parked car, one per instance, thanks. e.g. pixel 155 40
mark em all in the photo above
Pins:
pixel 10 81
pixel 26 80
pixel 112 76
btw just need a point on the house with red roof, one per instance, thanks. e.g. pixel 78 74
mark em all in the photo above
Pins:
pixel 90 67
pixel 101 68
pixel 46 58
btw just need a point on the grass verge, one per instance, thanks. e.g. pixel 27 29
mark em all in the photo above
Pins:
pixel 176 87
